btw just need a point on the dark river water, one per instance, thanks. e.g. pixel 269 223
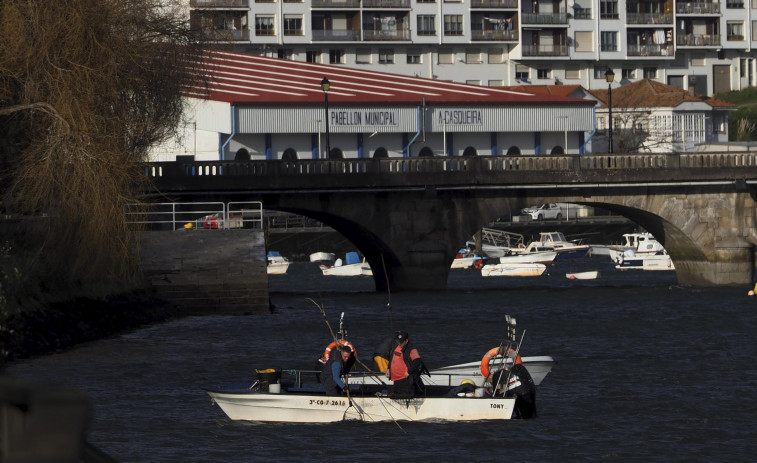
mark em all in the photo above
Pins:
pixel 647 370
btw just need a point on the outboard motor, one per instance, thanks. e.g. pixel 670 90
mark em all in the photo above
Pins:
pixel 521 386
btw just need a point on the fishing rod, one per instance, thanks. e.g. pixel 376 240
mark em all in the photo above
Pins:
pixel 388 294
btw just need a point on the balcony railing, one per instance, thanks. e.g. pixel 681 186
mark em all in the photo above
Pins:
pixel 227 35
pixel 698 8
pixel 386 3
pixel 494 35
pixel 219 3
pixel 732 38
pixel 336 3
pixel 494 3
pixel 341 35
pixel 650 50
pixel 582 13
pixel 544 50
pixel 544 18
pixel 697 40
pixel 399 35
pixel 649 18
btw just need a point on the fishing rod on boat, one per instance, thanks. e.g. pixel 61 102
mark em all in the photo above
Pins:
pixel 388 294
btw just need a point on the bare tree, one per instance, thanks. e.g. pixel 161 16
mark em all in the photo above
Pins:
pixel 86 87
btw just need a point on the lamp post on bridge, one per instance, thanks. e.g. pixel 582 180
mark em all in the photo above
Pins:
pixel 325 85
pixel 609 77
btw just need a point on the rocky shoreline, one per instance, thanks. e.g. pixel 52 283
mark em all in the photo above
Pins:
pixel 57 326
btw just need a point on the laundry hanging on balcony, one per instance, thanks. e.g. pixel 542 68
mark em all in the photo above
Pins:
pixel 659 37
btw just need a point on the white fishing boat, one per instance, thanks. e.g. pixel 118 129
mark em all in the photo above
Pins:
pixel 534 253
pixel 308 404
pixel 322 257
pixel 659 261
pixel 635 244
pixel 503 391
pixel 513 270
pixel 588 275
pixel 277 264
pixel 353 267
pixel 467 259
pixel 565 249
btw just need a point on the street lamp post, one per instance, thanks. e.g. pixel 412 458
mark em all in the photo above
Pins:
pixel 609 77
pixel 325 85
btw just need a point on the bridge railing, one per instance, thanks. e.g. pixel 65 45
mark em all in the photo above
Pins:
pixel 412 165
pixel 207 215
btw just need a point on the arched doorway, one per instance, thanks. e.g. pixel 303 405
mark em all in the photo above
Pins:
pixel 426 152
pixel 242 155
pixel 380 153
pixel 289 155
pixel 336 153
pixel 557 150
pixel 470 151
pixel 513 151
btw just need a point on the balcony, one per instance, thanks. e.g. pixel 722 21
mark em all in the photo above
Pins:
pixel 650 50
pixel 219 3
pixel 544 18
pixel 649 18
pixel 512 4
pixel 227 35
pixel 735 38
pixel 697 40
pixel 336 35
pixel 379 35
pixel 544 50
pixel 386 3
pixel 703 8
pixel 494 35
pixel 336 3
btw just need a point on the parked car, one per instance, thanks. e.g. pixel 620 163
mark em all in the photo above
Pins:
pixel 545 211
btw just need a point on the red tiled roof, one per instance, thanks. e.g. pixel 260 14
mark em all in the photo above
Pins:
pixel 243 79
pixel 648 93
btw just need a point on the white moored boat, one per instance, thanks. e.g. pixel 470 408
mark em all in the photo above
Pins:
pixel 277 264
pixel 589 275
pixel 322 257
pixel 513 270
pixel 353 267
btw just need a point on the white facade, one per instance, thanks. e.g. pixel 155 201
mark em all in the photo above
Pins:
pixel 703 46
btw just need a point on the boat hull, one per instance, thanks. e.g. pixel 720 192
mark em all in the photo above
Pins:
pixel 542 257
pixel 590 275
pixel 348 270
pixel 513 270
pixel 315 408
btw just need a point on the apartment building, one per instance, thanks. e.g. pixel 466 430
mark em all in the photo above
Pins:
pixel 703 47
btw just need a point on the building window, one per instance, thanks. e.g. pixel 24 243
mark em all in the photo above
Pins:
pixel 446 57
pixel 386 55
pixel 650 73
pixel 453 24
pixel 496 83
pixel 734 4
pixel 496 56
pixel 584 41
pixel 312 56
pixel 285 53
pixel 608 9
pixel 363 56
pixel 543 73
pixel 698 60
pixel 609 41
pixel 414 57
pixel 473 82
pixel 473 56
pixel 336 56
pixel 521 72
pixel 628 73
pixel 599 72
pixel 572 73
pixel 735 30
pixel 292 24
pixel 426 24
pixel 264 25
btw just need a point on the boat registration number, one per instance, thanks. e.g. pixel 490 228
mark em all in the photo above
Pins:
pixel 338 403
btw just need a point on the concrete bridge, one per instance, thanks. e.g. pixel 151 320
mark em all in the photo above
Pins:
pixel 409 216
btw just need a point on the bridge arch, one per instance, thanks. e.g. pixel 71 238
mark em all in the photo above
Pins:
pixel 513 151
pixel 557 149
pixel 470 151
pixel 425 152
pixel 380 152
pixel 242 155
pixel 290 154
pixel 336 153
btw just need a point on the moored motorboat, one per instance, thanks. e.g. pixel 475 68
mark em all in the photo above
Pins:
pixel 353 267
pixel 513 270
pixel 276 263
pixel 565 249
pixel 588 275
pixel 322 257
pixel 659 261
pixel 534 253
